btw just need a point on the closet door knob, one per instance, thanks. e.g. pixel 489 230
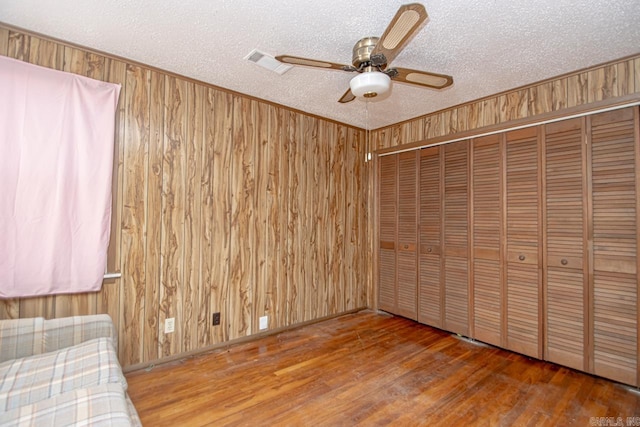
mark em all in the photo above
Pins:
pixel 521 257
pixel 429 250
pixel 564 261
pixel 406 246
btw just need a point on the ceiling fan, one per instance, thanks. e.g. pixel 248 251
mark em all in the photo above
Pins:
pixel 372 55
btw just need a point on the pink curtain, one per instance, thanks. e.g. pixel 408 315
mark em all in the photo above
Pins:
pixel 56 158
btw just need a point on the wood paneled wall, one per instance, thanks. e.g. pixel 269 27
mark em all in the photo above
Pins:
pixel 608 81
pixel 224 204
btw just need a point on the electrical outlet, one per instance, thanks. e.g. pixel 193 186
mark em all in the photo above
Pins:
pixel 169 325
pixel 216 319
pixel 264 322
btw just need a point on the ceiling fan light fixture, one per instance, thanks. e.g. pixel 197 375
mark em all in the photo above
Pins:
pixel 370 84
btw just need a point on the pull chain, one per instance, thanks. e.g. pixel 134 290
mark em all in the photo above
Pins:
pixel 366 133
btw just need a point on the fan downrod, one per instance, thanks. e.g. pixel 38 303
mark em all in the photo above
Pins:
pixel 362 54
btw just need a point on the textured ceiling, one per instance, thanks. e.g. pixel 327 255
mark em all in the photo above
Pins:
pixel 486 45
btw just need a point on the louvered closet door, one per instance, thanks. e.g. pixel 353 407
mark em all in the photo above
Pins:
pixel 523 230
pixel 388 220
pixel 456 231
pixel 614 150
pixel 407 235
pixel 430 290
pixel 487 231
pixel 565 202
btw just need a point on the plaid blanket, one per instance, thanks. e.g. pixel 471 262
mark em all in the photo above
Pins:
pixel 21 337
pixel 31 379
pixel 62 372
pixel 26 337
pixel 103 405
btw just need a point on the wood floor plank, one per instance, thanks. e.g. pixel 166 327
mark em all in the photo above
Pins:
pixel 371 369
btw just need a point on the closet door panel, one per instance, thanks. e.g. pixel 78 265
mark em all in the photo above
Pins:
pixel 565 243
pixel 487 300
pixel 456 295
pixel 387 280
pixel 407 234
pixel 388 223
pixel 615 330
pixel 407 287
pixel 522 310
pixel 430 295
pixel 456 229
pixel 565 318
pixel 523 230
pixel 615 281
pixel 487 225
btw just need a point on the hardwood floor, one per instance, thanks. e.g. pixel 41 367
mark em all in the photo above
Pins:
pixel 372 369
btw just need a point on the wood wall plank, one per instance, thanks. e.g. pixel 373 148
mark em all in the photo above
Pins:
pixel 367 213
pixel 220 136
pixel 624 83
pixel 205 163
pixel 475 115
pixel 46 53
pixel 134 213
pixel 540 99
pixel 462 117
pixel 577 89
pixel 4 41
pixel 352 199
pixel 306 205
pixel 450 121
pixel 242 257
pixel 321 185
pixel 206 147
pixel 491 109
pixel 559 94
pixel 261 158
pixel 296 297
pixel 193 186
pixel 339 175
pixel 412 131
pixel 154 182
pixel 357 221
pixel 18 47
pixel 173 210
pixel 275 234
pixel 513 105
pixel 283 221
pixel 433 127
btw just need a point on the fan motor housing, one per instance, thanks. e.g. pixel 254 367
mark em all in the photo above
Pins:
pixel 362 50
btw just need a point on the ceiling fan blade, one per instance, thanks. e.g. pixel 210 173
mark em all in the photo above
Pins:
pixel 402 28
pixel 422 78
pixel 347 97
pixel 295 60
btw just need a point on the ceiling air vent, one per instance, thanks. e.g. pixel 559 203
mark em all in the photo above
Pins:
pixel 267 61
